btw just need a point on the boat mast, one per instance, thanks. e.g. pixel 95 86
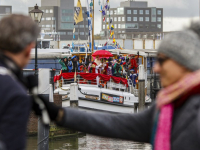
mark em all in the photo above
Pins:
pixel 93 30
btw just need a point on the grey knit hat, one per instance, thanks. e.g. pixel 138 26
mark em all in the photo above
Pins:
pixel 183 47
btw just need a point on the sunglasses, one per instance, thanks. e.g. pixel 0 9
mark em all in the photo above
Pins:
pixel 162 60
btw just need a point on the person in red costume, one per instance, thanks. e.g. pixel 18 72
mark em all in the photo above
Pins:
pixel 133 64
pixel 93 70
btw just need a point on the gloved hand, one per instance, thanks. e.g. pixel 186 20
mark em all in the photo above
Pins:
pixel 51 108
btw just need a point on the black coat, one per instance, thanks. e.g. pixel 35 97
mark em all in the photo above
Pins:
pixel 185 134
pixel 15 107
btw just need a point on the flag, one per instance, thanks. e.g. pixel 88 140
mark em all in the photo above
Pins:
pixel 110 21
pixel 108 27
pixel 106 44
pixel 104 19
pixel 72 44
pixel 112 33
pixel 103 12
pixel 73 36
pixel 90 15
pixel 78 15
pixel 112 27
pixel 101 7
pixel 74 30
pixel 114 41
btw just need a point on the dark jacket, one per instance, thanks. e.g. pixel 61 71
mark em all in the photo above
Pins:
pixel 14 110
pixel 138 127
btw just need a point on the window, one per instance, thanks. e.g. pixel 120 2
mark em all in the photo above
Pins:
pixel 107 13
pixel 123 26
pixel 120 11
pixel 141 26
pixel 51 11
pixel 111 12
pixel 86 19
pixel 115 26
pixel 141 12
pixel 81 26
pixel 83 11
pixel 76 33
pixel 48 18
pixel 153 26
pixel 68 18
pixel 132 26
pixel 123 31
pixel 115 12
pixel 119 26
pixel 153 19
pixel 108 20
pixel 119 31
pixel 115 19
pixel 159 19
pixel 82 33
pixel 43 18
pixel 128 11
pixel 123 19
pixel 53 18
pixel 48 26
pixel 147 12
pixel 119 18
pixel 128 18
pixel 86 33
pixel 53 25
pixel 47 11
pixel 76 26
pixel 141 19
pixel 86 26
pixel 67 25
pixel 8 11
pixel 69 33
pixel 159 26
pixel 134 12
pixel 103 26
pixel 147 19
pixel 134 18
pixel 146 26
pixel 62 33
pixel 43 26
pixel 159 12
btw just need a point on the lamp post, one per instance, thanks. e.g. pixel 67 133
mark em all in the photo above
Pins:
pixel 36 14
pixel 43 131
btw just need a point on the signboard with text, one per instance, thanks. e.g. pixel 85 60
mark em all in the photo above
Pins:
pixel 112 98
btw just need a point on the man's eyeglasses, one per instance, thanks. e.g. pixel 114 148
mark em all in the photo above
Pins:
pixel 161 60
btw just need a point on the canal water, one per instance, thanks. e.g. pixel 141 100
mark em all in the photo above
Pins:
pixel 89 142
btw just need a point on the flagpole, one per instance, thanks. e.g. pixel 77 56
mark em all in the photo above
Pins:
pixel 93 31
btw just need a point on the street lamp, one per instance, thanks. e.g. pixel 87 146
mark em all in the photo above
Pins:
pixel 36 15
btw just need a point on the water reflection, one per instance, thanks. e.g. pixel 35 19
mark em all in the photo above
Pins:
pixel 89 142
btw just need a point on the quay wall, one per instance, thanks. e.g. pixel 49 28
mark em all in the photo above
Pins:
pixel 32 127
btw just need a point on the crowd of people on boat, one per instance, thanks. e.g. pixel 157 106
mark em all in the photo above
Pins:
pixel 124 67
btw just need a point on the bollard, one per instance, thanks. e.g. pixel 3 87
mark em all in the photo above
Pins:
pixel 44 89
pixel 73 91
pixel 141 90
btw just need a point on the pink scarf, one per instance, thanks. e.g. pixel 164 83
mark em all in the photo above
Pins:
pixel 164 101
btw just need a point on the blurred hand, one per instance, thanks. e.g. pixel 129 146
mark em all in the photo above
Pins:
pixel 50 107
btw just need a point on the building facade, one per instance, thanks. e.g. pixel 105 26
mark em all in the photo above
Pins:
pixel 59 17
pixel 5 11
pixel 133 18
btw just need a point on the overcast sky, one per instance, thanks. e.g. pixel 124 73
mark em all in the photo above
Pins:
pixel 177 13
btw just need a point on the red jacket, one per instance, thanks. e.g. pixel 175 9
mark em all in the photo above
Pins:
pixel 133 64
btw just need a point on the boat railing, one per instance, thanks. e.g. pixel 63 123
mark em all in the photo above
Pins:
pixel 65 84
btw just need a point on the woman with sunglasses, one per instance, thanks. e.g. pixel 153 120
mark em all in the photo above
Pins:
pixel 173 121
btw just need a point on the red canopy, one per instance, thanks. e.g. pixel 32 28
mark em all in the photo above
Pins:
pixel 102 53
